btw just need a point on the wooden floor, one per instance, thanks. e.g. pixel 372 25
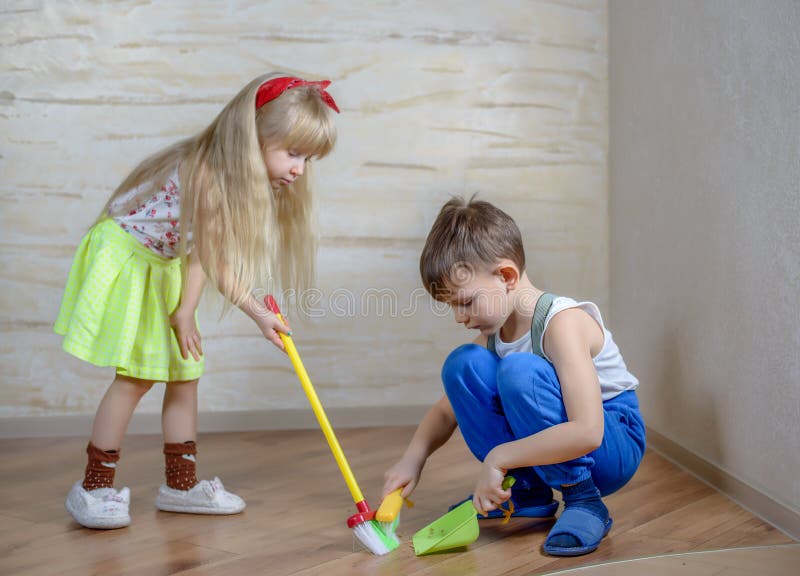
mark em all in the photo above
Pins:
pixel 298 505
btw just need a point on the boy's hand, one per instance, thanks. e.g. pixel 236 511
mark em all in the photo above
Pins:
pixel 404 474
pixel 186 332
pixel 489 493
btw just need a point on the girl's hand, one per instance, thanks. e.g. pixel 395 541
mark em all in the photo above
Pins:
pixel 270 326
pixel 186 332
pixel 489 493
pixel 404 474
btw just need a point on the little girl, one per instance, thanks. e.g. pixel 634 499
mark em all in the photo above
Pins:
pixel 222 205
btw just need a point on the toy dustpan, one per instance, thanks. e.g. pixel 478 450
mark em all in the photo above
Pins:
pixel 456 529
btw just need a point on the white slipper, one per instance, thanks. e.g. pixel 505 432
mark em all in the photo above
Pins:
pixel 101 508
pixel 206 497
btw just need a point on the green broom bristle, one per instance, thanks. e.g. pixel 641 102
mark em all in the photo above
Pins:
pixel 390 528
pixel 372 536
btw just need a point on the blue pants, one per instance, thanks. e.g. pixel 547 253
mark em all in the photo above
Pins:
pixel 500 400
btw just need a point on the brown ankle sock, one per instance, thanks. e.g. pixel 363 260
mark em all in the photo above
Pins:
pixel 100 468
pixel 180 465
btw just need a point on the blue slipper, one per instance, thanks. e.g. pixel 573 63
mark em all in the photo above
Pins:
pixel 584 526
pixel 529 511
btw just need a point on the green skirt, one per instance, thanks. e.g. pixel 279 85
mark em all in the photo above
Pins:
pixel 116 307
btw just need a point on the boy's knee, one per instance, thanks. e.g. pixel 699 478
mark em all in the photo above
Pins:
pixel 463 357
pixel 518 372
pixel 466 359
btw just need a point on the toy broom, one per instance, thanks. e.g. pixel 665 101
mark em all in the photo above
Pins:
pixel 364 526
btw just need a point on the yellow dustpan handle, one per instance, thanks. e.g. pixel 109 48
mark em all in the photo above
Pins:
pixel 390 507
pixel 316 405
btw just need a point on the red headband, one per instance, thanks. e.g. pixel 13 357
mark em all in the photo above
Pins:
pixel 273 88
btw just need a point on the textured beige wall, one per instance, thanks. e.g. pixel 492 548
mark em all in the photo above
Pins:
pixel 705 242
pixel 507 98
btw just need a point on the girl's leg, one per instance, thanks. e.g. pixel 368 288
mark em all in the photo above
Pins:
pixel 115 411
pixel 94 503
pixel 179 425
pixel 179 412
pixel 470 381
pixel 182 492
pixel 109 427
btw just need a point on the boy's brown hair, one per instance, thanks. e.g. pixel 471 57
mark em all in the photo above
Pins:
pixel 467 235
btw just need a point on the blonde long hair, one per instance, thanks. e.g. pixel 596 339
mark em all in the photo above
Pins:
pixel 246 235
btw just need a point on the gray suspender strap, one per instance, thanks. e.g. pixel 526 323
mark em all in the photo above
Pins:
pixel 490 344
pixel 537 325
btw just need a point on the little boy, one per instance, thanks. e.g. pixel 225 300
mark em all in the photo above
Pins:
pixel 542 394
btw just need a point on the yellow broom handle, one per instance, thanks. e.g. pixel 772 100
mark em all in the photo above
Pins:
pixel 319 411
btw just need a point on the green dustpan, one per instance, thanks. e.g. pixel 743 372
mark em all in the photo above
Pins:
pixel 456 529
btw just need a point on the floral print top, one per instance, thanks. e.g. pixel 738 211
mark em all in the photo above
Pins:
pixel 156 221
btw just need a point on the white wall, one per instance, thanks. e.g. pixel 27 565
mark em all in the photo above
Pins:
pixel 704 239
pixel 508 98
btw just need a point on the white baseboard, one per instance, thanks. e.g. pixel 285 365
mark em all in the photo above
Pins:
pixel 234 421
pixel 783 517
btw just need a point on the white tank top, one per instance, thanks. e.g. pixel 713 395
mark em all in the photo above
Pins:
pixel 611 369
